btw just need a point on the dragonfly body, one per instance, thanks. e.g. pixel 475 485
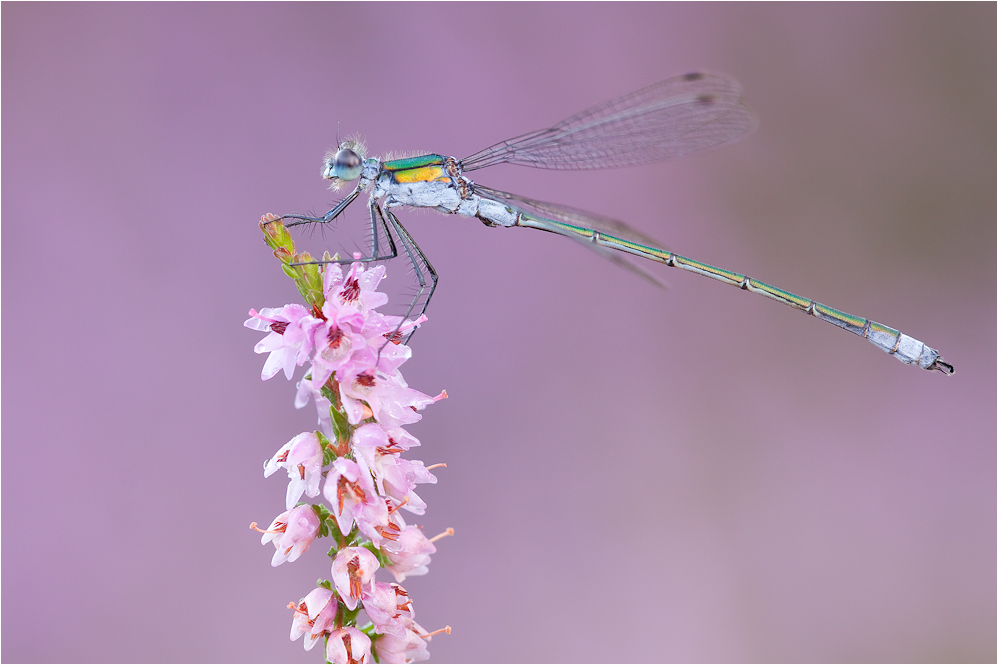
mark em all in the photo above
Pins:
pixel 434 181
pixel 684 115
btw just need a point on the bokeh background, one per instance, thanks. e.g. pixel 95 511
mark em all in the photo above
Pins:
pixel 634 475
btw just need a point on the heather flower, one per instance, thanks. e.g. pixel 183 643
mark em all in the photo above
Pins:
pixel 400 441
pixel 412 472
pixel 388 606
pixel 290 340
pixel 302 458
pixel 338 348
pixel 355 291
pixel 314 615
pixel 409 554
pixel 351 490
pixel 353 574
pixel 348 645
pixel 292 532
pixel 390 648
pixel 396 525
pixel 392 402
pixel 370 443
pixel 395 477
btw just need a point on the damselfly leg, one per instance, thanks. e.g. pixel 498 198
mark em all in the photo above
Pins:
pixel 379 231
pixel 383 223
pixel 425 274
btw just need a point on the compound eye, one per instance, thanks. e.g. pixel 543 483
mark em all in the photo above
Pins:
pixel 347 165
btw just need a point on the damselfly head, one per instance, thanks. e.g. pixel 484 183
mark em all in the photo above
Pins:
pixel 346 163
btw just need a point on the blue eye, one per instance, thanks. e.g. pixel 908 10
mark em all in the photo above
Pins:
pixel 346 165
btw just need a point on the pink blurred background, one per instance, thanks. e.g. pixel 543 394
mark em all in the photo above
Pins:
pixel 694 475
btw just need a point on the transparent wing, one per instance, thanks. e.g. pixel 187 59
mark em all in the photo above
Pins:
pixel 679 116
pixel 545 216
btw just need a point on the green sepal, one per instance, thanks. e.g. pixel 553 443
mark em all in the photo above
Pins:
pixel 355 538
pixel 328 453
pixel 349 617
pixel 325 519
pixel 341 426
pixel 325 584
pixel 382 557
pixel 308 279
pixel 332 529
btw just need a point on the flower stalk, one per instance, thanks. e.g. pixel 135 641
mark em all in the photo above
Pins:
pixel 354 458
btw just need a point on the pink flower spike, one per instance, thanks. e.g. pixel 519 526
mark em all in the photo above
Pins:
pixel 292 532
pixel 302 458
pixel 354 351
pixel 348 645
pixel 353 574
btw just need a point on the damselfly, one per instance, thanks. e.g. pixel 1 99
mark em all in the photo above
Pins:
pixel 679 116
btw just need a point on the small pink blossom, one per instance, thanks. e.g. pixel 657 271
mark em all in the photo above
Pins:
pixel 401 483
pixel 339 348
pixel 348 645
pixel 302 458
pixel 390 648
pixel 350 488
pixel 290 340
pixel 353 574
pixel 390 399
pixel 370 443
pixel 395 477
pixel 388 607
pixel 395 527
pixel 400 440
pixel 315 614
pixel 355 291
pixel 409 554
pixel 292 533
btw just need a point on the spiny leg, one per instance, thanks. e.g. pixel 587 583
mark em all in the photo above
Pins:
pixel 325 219
pixel 378 226
pixel 425 274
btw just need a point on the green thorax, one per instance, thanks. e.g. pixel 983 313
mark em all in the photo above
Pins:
pixel 413 162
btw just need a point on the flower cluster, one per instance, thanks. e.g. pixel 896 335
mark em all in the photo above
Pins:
pixel 353 354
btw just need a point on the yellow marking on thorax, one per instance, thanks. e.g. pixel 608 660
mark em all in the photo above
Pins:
pixel 423 174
